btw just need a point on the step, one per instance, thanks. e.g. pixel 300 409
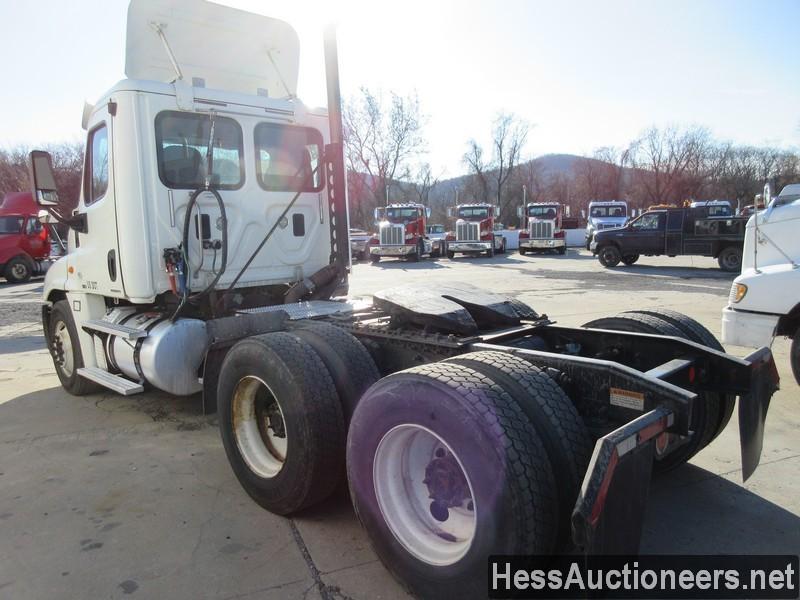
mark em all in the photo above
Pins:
pixel 119 384
pixel 121 331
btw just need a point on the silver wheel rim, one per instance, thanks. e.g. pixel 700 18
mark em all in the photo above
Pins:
pixel 19 270
pixel 404 489
pixel 259 427
pixel 64 358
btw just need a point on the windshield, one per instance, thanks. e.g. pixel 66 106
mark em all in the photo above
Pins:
pixel 473 213
pixel 402 214
pixel 436 229
pixel 543 212
pixel 11 224
pixel 608 211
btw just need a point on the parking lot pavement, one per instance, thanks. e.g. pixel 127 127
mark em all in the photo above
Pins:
pixel 105 496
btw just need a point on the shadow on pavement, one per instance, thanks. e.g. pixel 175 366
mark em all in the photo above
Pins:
pixel 694 511
pixel 12 345
pixel 679 272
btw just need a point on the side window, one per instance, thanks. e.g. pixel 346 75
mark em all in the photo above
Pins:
pixel 650 222
pixel 288 158
pixel 33 226
pixel 96 183
pixel 182 145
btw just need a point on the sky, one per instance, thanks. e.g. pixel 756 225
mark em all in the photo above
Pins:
pixel 583 73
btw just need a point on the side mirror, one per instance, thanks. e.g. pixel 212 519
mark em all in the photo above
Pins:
pixel 428 212
pixel 767 194
pixel 497 211
pixel 42 180
pixel 520 212
pixel 379 214
pixel 568 210
pixel 450 212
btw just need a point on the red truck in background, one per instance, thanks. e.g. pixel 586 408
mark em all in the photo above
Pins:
pixel 24 241
pixel 474 234
pixel 401 233
pixel 543 228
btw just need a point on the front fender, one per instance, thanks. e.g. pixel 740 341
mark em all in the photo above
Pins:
pixel 55 280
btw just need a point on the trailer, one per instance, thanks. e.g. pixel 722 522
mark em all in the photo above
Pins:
pixel 467 423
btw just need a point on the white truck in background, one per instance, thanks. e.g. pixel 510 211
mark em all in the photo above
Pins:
pixel 605 214
pixel 765 299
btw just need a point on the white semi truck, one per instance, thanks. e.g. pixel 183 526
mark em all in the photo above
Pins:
pixel 765 299
pixel 207 253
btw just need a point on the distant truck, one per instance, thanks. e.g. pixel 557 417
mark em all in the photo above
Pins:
pixel 714 208
pixel 765 299
pixel 543 228
pixel 605 214
pixel 24 241
pixel 359 240
pixel 673 231
pixel 401 233
pixel 475 232
pixel 437 234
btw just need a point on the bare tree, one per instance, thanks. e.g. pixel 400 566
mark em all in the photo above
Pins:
pixel 423 183
pixel 509 135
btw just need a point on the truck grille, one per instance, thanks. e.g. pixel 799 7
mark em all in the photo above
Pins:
pixel 541 229
pixel 467 232
pixel 392 235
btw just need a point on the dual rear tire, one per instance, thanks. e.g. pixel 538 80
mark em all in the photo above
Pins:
pixel 453 461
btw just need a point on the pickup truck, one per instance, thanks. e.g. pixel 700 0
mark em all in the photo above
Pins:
pixel 673 231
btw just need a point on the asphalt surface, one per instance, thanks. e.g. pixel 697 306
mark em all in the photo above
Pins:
pixel 111 497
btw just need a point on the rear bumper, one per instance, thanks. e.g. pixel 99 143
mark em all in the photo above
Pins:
pixel 542 244
pixel 749 329
pixel 392 250
pixel 469 246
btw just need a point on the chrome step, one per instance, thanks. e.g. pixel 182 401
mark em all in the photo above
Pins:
pixel 119 384
pixel 121 331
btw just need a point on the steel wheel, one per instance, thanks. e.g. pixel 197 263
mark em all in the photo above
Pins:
pixel 424 495
pixel 62 341
pixel 19 270
pixel 259 427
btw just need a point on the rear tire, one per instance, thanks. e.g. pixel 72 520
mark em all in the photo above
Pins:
pixel 66 351
pixel 276 383
pixel 562 251
pixel 696 332
pixel 706 413
pixel 523 251
pixel 374 258
pixel 609 256
pixel 451 255
pixel 490 251
pixel 730 259
pixel 18 270
pixel 347 360
pixel 447 431
pixel 794 356
pixel 629 259
pixel 552 414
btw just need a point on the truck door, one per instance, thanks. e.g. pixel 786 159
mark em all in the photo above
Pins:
pixel 96 252
pixel 34 239
pixel 646 235
pixel 674 232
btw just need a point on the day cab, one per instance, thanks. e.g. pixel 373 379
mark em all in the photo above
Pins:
pixel 673 232
pixel 24 241
pixel 544 228
pixel 474 233
pixel 605 214
pixel 401 233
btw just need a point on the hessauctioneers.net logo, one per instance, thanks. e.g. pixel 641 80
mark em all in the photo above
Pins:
pixel 646 576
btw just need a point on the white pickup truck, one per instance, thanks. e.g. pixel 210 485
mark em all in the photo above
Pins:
pixel 765 299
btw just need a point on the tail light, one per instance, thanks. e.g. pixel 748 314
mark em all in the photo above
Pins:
pixel 559 234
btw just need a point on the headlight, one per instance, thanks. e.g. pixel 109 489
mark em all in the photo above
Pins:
pixel 738 292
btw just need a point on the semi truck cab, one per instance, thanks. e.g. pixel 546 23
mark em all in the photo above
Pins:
pixel 24 241
pixel 543 228
pixel 401 233
pixel 474 233
pixel 756 313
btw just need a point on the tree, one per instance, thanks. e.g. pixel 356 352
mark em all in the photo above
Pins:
pixel 382 140
pixel 509 135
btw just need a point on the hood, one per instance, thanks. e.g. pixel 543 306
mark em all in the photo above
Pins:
pixel 615 221
pixel 18 203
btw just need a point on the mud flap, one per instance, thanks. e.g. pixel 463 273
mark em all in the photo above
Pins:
pixel 608 515
pixel 753 407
